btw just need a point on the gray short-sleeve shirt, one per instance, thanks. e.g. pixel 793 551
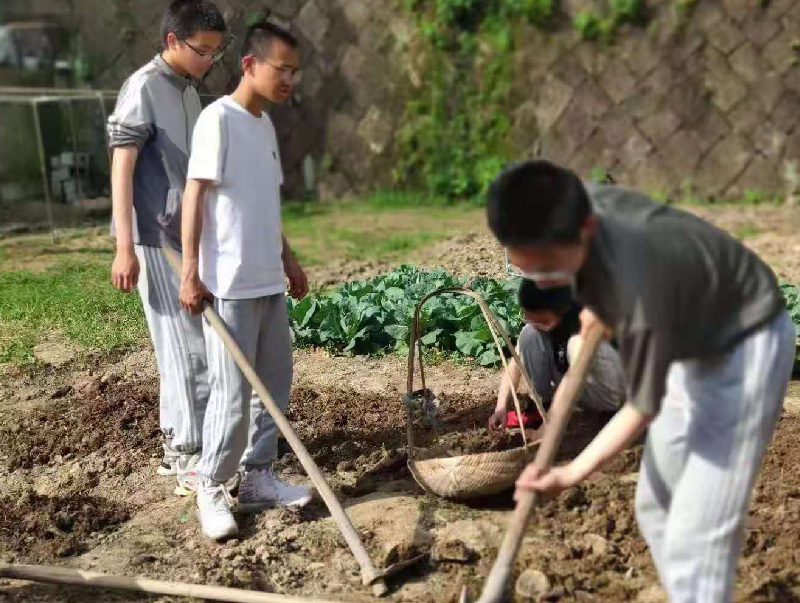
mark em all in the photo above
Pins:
pixel 673 287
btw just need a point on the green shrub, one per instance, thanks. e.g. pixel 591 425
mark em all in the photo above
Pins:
pixel 590 25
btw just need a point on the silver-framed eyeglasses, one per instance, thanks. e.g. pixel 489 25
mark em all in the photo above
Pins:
pixel 286 72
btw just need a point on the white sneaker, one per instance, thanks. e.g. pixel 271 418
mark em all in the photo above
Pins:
pixel 214 511
pixel 261 490
pixel 186 466
pixel 169 461
pixel 257 490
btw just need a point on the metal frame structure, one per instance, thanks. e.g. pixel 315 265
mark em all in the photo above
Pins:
pixel 38 96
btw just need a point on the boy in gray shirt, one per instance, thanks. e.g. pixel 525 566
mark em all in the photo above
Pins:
pixel 149 133
pixel 706 346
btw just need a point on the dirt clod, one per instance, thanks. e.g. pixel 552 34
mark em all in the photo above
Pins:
pixel 41 526
pixel 597 545
pixel 532 584
pixel 454 551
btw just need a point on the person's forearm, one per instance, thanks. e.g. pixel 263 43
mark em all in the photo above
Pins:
pixel 627 425
pixel 192 226
pixel 286 251
pixel 123 165
pixel 506 385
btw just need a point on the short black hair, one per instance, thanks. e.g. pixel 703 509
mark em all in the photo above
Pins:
pixel 185 18
pixel 556 299
pixel 537 202
pixel 259 37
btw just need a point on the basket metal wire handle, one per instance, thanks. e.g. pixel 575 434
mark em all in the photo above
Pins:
pixel 494 327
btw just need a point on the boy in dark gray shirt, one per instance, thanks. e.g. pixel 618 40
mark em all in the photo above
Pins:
pixel 706 347
pixel 149 134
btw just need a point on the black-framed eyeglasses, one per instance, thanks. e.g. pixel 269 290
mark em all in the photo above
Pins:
pixel 214 56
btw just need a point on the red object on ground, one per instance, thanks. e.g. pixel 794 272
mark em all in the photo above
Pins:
pixel 530 418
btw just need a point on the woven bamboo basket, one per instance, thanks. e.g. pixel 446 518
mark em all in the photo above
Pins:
pixel 470 475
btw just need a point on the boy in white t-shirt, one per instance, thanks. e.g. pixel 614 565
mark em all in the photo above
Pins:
pixel 235 255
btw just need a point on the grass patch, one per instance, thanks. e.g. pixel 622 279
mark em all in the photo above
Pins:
pixel 687 194
pixel 62 291
pixel 365 245
pixel 384 227
pixel 37 252
pixel 746 231
pixel 71 300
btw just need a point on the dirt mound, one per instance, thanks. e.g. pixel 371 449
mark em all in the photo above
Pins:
pixel 587 539
pixel 470 255
pixel 42 527
pixel 343 427
pixel 588 545
pixel 771 558
pixel 342 271
pixel 93 416
pixel 339 425
pixel 770 231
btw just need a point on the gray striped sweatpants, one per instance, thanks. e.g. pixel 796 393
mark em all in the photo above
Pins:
pixel 180 352
pixel 702 456
pixel 237 428
pixel 605 386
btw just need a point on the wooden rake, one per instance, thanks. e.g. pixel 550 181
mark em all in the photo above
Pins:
pixel 66 575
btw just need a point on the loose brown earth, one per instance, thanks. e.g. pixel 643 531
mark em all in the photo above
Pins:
pixel 78 453
pixel 771 231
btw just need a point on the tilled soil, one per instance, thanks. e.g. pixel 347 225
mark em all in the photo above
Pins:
pixel 40 527
pixel 95 503
pixel 771 231
pixel 79 449
pixel 99 418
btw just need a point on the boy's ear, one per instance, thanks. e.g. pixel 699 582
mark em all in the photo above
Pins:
pixel 247 64
pixel 172 41
pixel 589 225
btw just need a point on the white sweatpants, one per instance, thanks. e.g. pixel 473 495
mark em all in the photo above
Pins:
pixel 236 420
pixel 701 458
pixel 180 352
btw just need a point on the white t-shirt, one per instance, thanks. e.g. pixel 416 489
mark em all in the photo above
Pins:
pixel 240 244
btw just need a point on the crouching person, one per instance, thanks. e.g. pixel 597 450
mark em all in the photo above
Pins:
pixel 548 344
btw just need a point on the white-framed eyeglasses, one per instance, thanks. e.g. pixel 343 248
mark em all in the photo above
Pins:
pixel 556 275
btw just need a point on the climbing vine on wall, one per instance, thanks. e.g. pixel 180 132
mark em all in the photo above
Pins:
pixel 455 133
pixel 456 128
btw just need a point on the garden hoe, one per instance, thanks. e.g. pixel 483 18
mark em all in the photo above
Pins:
pixel 564 401
pixel 66 575
pixel 370 576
